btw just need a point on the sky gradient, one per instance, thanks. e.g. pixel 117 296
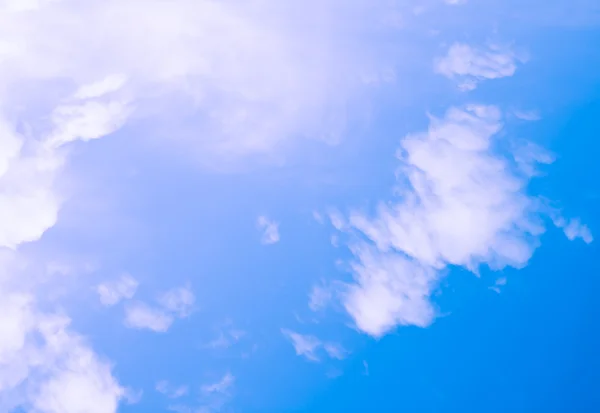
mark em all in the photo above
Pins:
pixel 319 206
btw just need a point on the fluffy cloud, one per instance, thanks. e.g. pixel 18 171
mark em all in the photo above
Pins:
pixel 269 229
pixel 469 65
pixel 462 203
pixel 45 367
pixel 142 316
pixel 112 293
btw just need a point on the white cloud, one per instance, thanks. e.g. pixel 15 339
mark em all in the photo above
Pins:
pixel 47 368
pixel 469 65
pixel 269 229
pixel 110 84
pixel 179 301
pixel 251 72
pixel 528 115
pixel 173 392
pixel 461 204
pixel 29 203
pixel 222 386
pixel 319 297
pixel 500 282
pixel 112 293
pixel 305 345
pixel 214 398
pixel 574 229
pixel 226 339
pixel 142 316
pixel 335 351
pixel 176 302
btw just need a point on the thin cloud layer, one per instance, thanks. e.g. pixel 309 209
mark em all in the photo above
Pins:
pixel 462 204
pixel 252 75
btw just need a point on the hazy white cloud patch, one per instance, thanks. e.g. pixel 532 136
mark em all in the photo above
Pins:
pixel 461 203
pixel 469 65
pixel 179 301
pixel 527 115
pixel 254 77
pixel 174 303
pixel 304 345
pixel 112 293
pixel 500 282
pixel 574 229
pixel 172 392
pixel 269 230
pixel 142 316
pixel 226 339
pixel 214 397
pixel 222 386
pixel 44 366
pixel 335 351
pixel 308 346
pixel 320 296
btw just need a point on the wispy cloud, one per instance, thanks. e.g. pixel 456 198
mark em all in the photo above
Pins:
pixel 335 351
pixel 469 65
pixel 500 282
pixel 308 346
pixel 528 115
pixel 179 301
pixel 222 386
pixel 304 345
pixel 574 229
pixel 112 293
pixel 225 339
pixel 142 316
pixel 319 297
pixel 173 392
pixel 174 303
pixel 269 230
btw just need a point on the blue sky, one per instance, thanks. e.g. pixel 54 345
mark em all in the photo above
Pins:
pixel 319 206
